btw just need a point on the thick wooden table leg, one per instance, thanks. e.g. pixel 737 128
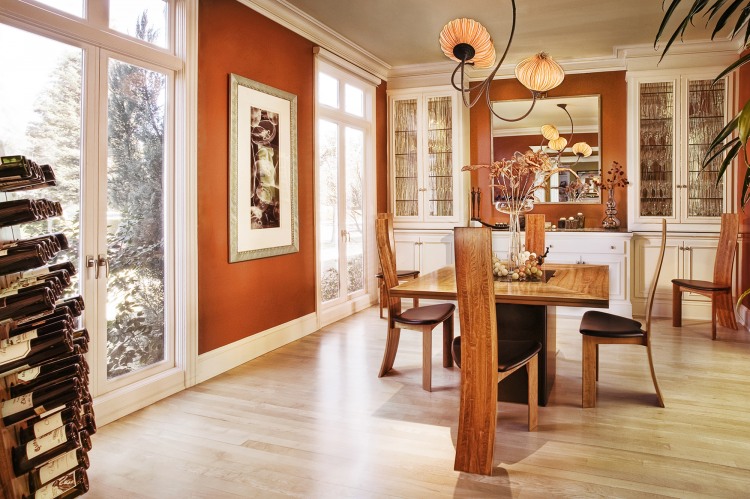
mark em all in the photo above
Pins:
pixel 676 306
pixel 588 366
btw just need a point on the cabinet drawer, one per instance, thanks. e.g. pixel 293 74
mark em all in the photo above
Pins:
pixel 583 244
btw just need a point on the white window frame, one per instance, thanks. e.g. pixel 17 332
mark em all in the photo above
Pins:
pixel 346 72
pixel 94 36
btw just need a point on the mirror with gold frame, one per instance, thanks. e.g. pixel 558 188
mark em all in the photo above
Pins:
pixel 585 111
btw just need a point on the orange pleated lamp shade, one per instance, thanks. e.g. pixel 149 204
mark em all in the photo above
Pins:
pixel 539 73
pixel 468 32
pixel 550 132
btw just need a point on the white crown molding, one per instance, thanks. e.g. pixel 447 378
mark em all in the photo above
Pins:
pixel 297 21
pixel 535 131
pixel 627 57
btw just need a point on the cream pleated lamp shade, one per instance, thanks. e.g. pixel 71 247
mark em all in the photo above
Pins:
pixel 558 144
pixel 472 33
pixel 550 132
pixel 539 73
pixel 582 149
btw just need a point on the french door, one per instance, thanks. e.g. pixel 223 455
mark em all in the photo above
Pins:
pixel 102 121
pixel 345 191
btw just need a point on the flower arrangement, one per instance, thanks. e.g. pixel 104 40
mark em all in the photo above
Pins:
pixel 616 177
pixel 516 179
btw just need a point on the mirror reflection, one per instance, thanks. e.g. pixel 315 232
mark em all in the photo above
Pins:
pixel 509 137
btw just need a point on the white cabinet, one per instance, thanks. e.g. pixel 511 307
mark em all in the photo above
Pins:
pixel 428 132
pixel 595 248
pixel 687 256
pixel 423 250
pixel 672 118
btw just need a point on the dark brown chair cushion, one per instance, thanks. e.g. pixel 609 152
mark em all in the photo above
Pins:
pixel 595 323
pixel 430 314
pixel 702 285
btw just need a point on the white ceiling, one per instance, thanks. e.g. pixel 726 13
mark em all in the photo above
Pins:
pixel 405 32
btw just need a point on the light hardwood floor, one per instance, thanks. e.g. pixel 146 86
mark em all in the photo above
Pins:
pixel 312 419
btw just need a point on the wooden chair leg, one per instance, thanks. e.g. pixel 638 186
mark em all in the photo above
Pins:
pixel 589 372
pixel 532 370
pixel 415 302
pixel 382 299
pixel 597 361
pixel 676 305
pixel 448 342
pixel 427 358
pixel 391 347
pixel 653 376
pixel 725 310
pixel 713 317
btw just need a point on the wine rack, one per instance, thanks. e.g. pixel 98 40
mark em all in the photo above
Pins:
pixel 17 487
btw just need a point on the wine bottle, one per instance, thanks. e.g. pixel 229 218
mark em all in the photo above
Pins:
pixel 37 402
pixel 26 304
pixel 82 343
pixel 62 348
pixel 76 458
pixel 40 426
pixel 85 439
pixel 45 318
pixel 73 484
pixel 51 268
pixel 25 258
pixel 44 177
pixel 29 332
pixel 19 211
pixel 89 424
pixel 57 363
pixel 15 168
pixel 40 450
pixel 20 356
pixel 42 382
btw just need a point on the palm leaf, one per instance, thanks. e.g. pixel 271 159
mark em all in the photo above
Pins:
pixel 736 64
pixel 746 182
pixel 731 154
pixel 722 21
pixel 741 20
pixel 723 134
pixel 712 155
pixel 667 16
pixel 743 123
pixel 715 8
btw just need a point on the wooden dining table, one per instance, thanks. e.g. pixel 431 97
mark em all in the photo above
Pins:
pixel 525 310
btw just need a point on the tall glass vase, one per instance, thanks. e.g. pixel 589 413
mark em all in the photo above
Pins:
pixel 610 219
pixel 514 245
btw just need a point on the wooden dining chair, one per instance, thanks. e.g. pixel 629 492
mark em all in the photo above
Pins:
pixel 484 361
pixel 600 328
pixel 719 290
pixel 423 319
pixel 402 275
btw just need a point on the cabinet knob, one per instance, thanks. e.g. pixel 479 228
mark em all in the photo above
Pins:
pixel 613 247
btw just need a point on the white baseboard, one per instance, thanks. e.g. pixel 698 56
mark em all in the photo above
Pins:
pixel 349 307
pixel 130 398
pixel 743 317
pixel 222 359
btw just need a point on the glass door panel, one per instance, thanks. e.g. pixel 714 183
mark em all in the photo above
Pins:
pixel 135 318
pixel 656 149
pixel 705 120
pixel 42 121
pixel 355 242
pixel 328 217
pixel 439 156
pixel 405 157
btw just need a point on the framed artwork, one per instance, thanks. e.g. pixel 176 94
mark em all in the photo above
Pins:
pixel 263 217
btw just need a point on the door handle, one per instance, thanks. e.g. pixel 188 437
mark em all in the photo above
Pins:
pixel 103 261
pixel 91 262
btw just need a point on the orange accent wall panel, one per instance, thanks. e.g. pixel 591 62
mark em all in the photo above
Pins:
pixel 381 146
pixel 240 299
pixel 613 90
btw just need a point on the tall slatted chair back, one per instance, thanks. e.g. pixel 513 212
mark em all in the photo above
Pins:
pixel 534 231
pixel 387 263
pixel 476 305
pixel 725 253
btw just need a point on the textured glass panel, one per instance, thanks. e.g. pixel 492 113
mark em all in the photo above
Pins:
pixel 405 157
pixel 705 121
pixel 656 146
pixel 439 157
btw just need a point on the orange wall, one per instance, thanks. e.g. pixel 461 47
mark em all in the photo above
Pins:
pixel 381 147
pixel 744 96
pixel 613 90
pixel 240 299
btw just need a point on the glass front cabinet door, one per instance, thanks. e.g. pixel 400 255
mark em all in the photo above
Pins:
pixel 427 150
pixel 672 121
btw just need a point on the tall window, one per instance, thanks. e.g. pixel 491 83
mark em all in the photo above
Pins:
pixel 345 198
pixel 104 120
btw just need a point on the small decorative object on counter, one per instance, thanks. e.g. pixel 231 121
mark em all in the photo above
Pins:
pixel 615 178
pixel 561 223
pixel 581 220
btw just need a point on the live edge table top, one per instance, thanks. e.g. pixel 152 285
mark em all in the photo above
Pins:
pixel 565 285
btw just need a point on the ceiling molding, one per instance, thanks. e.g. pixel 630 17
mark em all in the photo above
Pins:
pixel 703 53
pixel 301 23
pixel 535 131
